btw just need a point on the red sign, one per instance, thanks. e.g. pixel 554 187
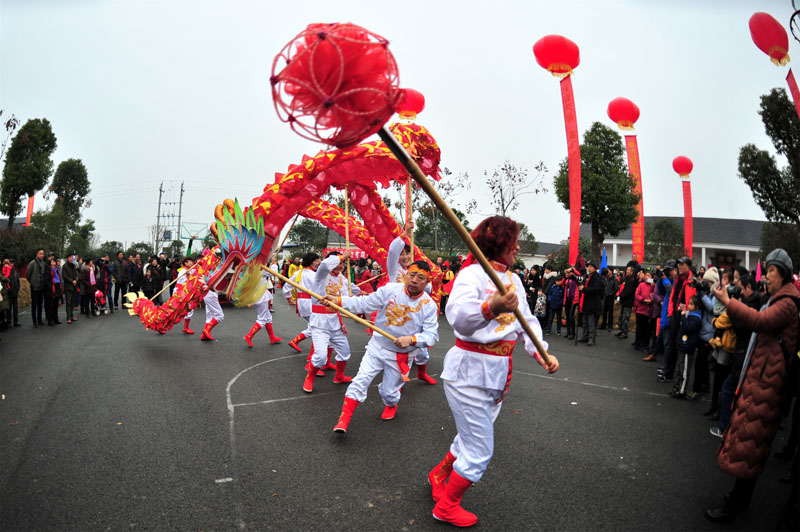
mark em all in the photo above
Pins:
pixel 355 253
pixel 574 163
pixel 687 218
pixel 632 148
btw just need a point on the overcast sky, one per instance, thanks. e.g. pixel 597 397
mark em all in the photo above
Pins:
pixel 152 91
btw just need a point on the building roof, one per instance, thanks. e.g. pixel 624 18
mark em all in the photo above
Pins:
pixel 548 247
pixel 706 230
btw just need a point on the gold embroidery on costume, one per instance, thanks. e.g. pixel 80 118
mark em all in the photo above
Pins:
pixel 334 288
pixel 398 315
pixel 504 320
pixel 500 347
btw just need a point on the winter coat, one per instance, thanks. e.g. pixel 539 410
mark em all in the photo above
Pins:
pixel 87 287
pixel 643 291
pixel 120 275
pixel 689 331
pixel 628 294
pixel 665 285
pixel 681 292
pixel 69 273
pixel 556 296
pixel 746 444
pixel 612 286
pixel 5 304
pixel 51 290
pixel 35 274
pixel 725 336
pixel 593 294
pixel 13 283
pixel 707 330
pixel 549 280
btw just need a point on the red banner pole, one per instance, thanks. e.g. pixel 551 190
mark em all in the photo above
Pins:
pixel 632 147
pixel 794 90
pixel 687 218
pixel 30 211
pixel 574 163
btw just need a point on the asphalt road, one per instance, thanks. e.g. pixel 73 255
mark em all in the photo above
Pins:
pixel 106 426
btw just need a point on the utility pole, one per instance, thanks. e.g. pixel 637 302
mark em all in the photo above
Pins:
pixel 158 219
pixel 180 209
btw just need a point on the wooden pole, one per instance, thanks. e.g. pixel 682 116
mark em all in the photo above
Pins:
pixel 411 165
pixel 371 279
pixel 336 307
pixel 347 235
pixel 409 215
pixel 170 284
pixel 279 248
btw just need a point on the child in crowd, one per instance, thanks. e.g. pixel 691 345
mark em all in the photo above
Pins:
pixel 688 334
pixel 555 296
pixel 148 286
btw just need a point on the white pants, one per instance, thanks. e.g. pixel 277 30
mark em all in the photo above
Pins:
pixel 376 360
pixel 213 309
pixel 421 356
pixel 263 316
pixel 323 339
pixel 474 411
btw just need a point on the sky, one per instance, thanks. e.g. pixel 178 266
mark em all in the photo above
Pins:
pixel 145 92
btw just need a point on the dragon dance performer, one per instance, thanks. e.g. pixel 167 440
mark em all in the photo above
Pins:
pixel 409 314
pixel 304 276
pixel 477 370
pixel 263 316
pixel 397 263
pixel 327 328
pixel 187 265
pixel 214 313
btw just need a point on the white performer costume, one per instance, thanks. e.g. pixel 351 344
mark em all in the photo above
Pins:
pixel 213 308
pixel 305 277
pixel 264 316
pixel 397 274
pixel 477 370
pixel 399 315
pixel 179 287
pixel 326 325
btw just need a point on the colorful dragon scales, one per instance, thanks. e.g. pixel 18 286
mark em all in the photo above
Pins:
pixel 246 235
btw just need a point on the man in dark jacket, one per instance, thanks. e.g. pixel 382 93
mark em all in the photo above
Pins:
pixel 626 299
pixel 70 280
pixel 611 288
pixel 592 290
pixel 134 273
pixel 35 276
pixel 13 292
pixel 678 300
pixel 120 279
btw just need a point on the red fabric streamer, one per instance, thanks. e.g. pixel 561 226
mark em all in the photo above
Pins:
pixel 794 90
pixel 30 212
pixel 687 218
pixel 574 162
pixel 632 147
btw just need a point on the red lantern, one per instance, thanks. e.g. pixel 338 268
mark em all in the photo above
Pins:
pixel 682 165
pixel 624 112
pixel 557 54
pixel 770 37
pixel 411 103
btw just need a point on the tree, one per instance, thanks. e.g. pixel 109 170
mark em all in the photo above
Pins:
pixel 444 236
pixel 508 183
pixel 83 240
pixel 28 165
pixel 776 190
pixel 781 235
pixel 527 242
pixel 175 248
pixel 561 258
pixel 144 249
pixel 608 203
pixel 51 222
pixel 110 248
pixel 11 125
pixel 309 235
pixel 663 240
pixel 71 187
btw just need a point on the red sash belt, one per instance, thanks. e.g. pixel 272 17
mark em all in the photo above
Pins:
pixel 500 348
pixel 303 295
pixel 322 309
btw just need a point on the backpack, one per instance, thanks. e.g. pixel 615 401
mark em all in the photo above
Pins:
pixel 540 310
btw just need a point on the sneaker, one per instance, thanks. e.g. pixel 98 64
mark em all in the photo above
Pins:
pixel 715 432
pixel 676 395
pixel 558 333
pixel 692 395
pixel 547 334
pixel 662 378
pixel 590 343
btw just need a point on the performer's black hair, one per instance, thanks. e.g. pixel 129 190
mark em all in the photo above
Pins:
pixel 332 253
pixel 309 258
pixel 407 248
pixel 422 265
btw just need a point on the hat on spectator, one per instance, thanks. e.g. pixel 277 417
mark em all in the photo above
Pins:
pixel 712 274
pixel 671 264
pixel 685 260
pixel 778 257
pixel 591 263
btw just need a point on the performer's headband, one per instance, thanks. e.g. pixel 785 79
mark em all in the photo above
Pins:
pixel 417 269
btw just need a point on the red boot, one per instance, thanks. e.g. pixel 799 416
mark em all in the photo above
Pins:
pixel 422 374
pixel 340 377
pixel 347 413
pixel 437 478
pixel 206 336
pixel 186 328
pixel 320 373
pixel 389 412
pixel 272 338
pixel 329 365
pixel 297 339
pixel 308 384
pixel 449 508
pixel 249 336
